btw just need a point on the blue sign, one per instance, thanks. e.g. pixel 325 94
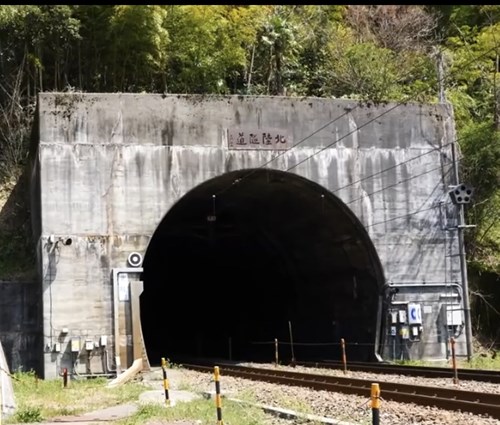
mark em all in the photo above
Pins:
pixel 414 314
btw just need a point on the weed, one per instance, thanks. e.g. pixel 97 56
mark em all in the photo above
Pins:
pixel 28 414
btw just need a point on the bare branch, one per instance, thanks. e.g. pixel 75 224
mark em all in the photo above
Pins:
pixel 396 27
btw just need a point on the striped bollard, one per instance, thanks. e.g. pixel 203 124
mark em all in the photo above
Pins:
pixel 375 402
pixel 165 380
pixel 218 401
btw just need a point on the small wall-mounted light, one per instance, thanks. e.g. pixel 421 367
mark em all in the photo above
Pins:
pixel 52 239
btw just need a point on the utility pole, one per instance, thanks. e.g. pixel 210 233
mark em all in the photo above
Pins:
pixel 463 264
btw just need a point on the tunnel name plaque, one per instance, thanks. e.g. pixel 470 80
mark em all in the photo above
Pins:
pixel 265 138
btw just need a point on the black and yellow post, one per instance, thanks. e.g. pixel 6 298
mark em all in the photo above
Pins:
pixel 218 401
pixel 375 401
pixel 165 380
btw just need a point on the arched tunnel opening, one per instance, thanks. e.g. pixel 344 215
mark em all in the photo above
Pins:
pixel 257 255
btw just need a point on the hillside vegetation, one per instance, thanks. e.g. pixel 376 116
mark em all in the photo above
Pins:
pixel 377 53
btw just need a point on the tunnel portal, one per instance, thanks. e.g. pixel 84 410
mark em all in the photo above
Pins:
pixel 254 255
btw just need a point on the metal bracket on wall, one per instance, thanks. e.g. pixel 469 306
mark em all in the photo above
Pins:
pixel 115 272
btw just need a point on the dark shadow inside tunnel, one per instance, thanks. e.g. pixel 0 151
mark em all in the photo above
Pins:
pixel 236 264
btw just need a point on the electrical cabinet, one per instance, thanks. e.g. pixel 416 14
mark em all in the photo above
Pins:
pixel 75 345
pixel 402 316
pixel 454 315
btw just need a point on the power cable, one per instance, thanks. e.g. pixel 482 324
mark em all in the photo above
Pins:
pixel 414 212
pixel 408 99
pixel 402 216
pixel 413 176
pixel 438 148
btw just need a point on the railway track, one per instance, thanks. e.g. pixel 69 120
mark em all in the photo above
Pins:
pixel 422 371
pixel 444 398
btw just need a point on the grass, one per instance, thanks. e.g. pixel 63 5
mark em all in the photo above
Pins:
pixel 42 400
pixel 480 362
pixel 39 400
pixel 202 411
pixel 477 361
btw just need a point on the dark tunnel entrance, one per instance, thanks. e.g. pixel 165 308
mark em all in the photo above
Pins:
pixel 225 275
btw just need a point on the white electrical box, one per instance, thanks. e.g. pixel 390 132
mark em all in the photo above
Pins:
pixel 404 332
pixel 414 330
pixel 414 314
pixel 454 315
pixel 75 345
pixel 402 316
pixel 89 344
pixel 104 340
pixel 57 347
pixel 64 331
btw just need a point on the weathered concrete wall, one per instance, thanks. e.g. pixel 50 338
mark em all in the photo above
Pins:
pixel 20 325
pixel 112 165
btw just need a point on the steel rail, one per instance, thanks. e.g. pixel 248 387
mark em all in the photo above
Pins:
pixel 443 398
pixel 480 375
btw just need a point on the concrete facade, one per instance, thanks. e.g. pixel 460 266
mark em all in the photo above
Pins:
pixel 108 167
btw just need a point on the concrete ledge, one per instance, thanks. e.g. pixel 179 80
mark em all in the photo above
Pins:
pixel 283 413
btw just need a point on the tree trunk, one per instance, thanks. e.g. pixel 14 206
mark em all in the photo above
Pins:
pixel 497 94
pixel 279 79
pixel 440 71
pixel 249 80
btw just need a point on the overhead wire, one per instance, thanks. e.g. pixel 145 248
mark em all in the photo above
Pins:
pixel 392 167
pixel 398 104
pixel 281 153
pixel 413 212
pixel 413 176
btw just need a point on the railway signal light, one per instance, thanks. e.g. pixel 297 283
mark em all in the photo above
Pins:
pixel 461 194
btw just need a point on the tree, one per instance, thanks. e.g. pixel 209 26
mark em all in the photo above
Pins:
pixel 368 61
pixel 139 41
pixel 209 46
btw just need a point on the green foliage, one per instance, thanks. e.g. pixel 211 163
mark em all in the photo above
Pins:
pixel 37 398
pixel 29 414
pixel 209 43
pixel 477 361
pixel 379 74
pixel 139 40
pixel 482 361
pixel 480 145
